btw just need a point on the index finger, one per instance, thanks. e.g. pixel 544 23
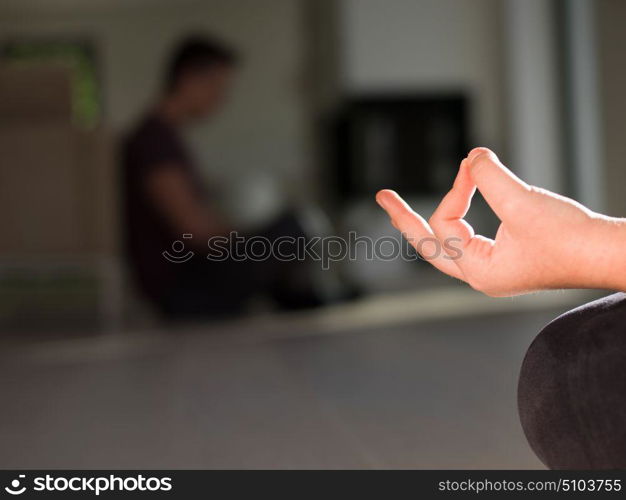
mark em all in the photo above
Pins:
pixel 417 232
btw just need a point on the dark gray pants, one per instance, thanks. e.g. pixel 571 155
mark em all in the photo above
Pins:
pixel 572 388
pixel 212 289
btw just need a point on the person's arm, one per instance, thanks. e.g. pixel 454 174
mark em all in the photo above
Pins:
pixel 170 191
pixel 545 241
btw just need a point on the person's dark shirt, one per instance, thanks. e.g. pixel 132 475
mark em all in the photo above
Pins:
pixel 152 145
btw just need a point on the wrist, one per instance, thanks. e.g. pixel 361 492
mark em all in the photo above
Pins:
pixel 606 267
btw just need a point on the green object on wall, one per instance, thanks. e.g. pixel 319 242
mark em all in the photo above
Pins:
pixel 80 58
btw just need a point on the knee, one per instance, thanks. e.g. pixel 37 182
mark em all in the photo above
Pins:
pixel 572 388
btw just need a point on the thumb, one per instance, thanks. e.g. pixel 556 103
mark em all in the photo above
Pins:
pixel 501 188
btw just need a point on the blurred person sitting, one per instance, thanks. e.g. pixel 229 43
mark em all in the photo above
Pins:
pixel 166 199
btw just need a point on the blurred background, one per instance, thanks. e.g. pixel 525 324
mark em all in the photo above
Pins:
pixel 333 100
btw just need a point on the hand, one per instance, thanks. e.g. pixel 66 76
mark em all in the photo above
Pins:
pixel 544 241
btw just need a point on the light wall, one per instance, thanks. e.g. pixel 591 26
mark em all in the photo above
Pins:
pixel 262 139
pixel 384 45
pixel 429 45
pixel 533 94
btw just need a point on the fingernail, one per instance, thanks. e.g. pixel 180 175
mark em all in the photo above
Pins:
pixel 379 200
pixel 476 152
pixel 473 154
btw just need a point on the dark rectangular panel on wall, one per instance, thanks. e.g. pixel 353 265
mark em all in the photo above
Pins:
pixel 413 143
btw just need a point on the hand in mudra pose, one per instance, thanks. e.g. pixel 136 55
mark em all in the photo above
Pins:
pixel 544 241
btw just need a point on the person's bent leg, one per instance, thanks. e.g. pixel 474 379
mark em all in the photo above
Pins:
pixel 572 388
pixel 205 289
pixel 286 275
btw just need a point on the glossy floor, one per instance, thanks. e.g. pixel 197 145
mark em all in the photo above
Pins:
pixel 423 394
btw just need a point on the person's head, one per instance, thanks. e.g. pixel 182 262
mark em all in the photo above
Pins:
pixel 199 75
